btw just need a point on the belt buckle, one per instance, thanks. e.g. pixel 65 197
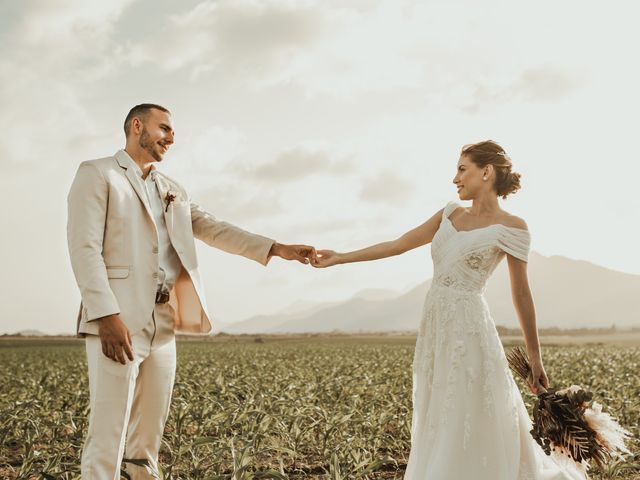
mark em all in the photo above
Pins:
pixel 162 297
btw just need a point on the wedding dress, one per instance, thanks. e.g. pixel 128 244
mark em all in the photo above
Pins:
pixel 469 420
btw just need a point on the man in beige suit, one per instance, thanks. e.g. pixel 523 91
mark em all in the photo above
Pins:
pixel 131 233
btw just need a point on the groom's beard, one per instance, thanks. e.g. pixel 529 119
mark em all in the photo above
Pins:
pixel 147 144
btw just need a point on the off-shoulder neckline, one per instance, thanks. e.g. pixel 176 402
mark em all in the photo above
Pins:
pixel 523 230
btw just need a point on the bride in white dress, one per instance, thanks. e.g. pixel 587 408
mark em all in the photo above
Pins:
pixel 469 420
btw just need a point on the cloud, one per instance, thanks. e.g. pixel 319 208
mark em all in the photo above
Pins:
pixel 203 151
pixel 66 20
pixel 52 52
pixel 294 164
pixel 532 85
pixel 355 44
pixel 351 48
pixel 544 84
pixel 229 203
pixel 317 46
pixel 322 226
pixel 244 38
pixel 66 56
pixel 387 187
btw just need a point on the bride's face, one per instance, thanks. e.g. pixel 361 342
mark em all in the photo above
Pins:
pixel 468 179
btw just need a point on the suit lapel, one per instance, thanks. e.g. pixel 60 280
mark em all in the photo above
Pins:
pixel 136 182
pixel 163 188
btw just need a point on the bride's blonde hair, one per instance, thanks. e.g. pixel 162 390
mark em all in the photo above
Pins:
pixel 489 152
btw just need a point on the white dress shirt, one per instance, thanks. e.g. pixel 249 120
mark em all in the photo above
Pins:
pixel 169 262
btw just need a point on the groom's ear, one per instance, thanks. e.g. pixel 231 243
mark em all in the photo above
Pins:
pixel 136 126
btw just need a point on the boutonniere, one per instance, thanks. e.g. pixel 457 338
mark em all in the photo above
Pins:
pixel 169 198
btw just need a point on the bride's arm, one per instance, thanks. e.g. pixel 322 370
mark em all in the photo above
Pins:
pixel 417 237
pixel 523 302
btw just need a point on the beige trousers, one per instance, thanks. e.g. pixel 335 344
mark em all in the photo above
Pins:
pixel 129 404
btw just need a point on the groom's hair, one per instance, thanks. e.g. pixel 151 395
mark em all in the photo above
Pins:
pixel 141 111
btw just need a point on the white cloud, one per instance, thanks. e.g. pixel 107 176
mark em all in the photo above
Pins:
pixel 245 38
pixel 387 187
pixel 347 49
pixel 230 203
pixel 68 20
pixel 53 52
pixel 293 164
pixel 339 48
pixel 320 226
pixel 203 150
pixel 539 84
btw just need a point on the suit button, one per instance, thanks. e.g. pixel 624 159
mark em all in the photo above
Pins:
pixel 155 274
pixel 155 249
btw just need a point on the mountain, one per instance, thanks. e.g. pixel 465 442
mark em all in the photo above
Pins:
pixel 360 314
pixel 570 294
pixel 376 294
pixel 220 326
pixel 263 323
pixel 30 333
pixel 567 293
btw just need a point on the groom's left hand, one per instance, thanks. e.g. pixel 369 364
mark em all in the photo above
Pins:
pixel 301 253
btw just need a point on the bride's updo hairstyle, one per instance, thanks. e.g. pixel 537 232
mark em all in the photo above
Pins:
pixel 490 153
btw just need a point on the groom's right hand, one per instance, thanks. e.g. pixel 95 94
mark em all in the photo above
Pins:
pixel 115 339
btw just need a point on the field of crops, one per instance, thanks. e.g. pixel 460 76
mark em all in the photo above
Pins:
pixel 306 409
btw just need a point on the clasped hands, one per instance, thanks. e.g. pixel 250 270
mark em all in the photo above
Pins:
pixel 305 254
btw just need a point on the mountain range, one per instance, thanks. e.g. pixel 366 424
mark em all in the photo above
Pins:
pixel 567 293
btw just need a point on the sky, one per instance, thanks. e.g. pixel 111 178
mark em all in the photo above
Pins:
pixel 336 123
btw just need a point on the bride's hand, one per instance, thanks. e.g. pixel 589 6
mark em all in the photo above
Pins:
pixel 538 381
pixel 326 258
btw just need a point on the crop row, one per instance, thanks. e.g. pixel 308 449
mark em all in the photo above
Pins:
pixel 272 410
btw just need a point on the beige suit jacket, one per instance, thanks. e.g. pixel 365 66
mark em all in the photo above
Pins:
pixel 113 245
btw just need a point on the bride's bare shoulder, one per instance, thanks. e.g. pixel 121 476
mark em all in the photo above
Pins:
pixel 514 221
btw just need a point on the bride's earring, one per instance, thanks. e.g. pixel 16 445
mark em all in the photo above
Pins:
pixel 484 178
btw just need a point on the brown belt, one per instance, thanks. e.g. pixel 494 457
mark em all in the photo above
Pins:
pixel 162 297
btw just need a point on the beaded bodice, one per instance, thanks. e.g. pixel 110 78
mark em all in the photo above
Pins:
pixel 464 260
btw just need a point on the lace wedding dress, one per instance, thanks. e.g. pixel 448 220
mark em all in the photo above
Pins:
pixel 469 420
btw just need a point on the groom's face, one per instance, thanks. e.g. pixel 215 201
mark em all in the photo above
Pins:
pixel 157 134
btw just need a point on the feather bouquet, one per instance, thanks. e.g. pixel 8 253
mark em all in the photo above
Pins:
pixel 563 421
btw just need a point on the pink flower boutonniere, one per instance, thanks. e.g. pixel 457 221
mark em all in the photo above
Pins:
pixel 169 198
